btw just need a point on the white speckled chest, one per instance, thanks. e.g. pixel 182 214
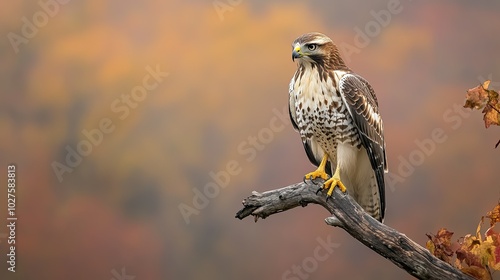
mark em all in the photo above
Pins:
pixel 320 112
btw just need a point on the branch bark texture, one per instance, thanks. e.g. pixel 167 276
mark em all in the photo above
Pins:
pixel 348 215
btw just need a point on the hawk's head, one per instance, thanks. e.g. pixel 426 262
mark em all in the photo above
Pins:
pixel 317 48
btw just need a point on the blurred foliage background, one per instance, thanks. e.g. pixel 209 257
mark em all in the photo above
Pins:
pixel 229 65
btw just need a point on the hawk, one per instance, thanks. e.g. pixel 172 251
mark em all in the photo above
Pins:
pixel 336 113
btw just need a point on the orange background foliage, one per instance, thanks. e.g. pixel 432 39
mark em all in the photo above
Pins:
pixel 120 206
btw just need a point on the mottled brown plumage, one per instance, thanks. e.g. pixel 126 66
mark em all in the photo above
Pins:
pixel 336 114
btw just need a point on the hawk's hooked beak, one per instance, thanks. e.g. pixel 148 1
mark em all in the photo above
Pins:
pixel 296 53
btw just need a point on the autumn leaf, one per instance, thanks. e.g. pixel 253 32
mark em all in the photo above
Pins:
pixel 440 245
pixel 474 255
pixel 481 97
pixel 491 116
pixel 494 239
pixel 477 98
pixel 466 254
pixel 494 215
pixel 492 113
pixel 484 251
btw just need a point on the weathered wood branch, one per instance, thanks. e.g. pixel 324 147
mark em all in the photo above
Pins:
pixel 348 215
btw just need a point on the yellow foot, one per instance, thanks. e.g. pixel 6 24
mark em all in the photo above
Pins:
pixel 316 174
pixel 331 183
pixel 320 172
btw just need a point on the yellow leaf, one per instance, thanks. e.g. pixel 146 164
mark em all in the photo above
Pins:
pixel 484 251
pixel 491 115
pixel 466 251
pixel 486 84
pixel 478 229
pixel 492 109
pixel 495 239
pixel 494 215
pixel 430 246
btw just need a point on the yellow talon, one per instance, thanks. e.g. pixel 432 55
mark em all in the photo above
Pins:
pixel 317 174
pixel 320 172
pixel 333 182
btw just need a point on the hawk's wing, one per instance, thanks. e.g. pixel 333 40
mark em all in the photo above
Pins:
pixel 291 105
pixel 313 150
pixel 362 105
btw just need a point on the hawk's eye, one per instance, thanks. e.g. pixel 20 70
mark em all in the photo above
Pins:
pixel 312 47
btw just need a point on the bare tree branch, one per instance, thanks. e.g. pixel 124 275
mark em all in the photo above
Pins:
pixel 348 215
